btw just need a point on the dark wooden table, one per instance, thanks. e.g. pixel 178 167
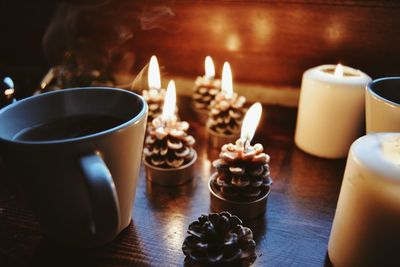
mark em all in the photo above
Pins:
pixel 293 232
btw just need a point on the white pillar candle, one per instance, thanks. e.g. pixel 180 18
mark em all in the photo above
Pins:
pixel 366 228
pixel 331 110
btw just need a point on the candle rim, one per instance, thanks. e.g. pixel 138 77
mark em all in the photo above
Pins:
pixel 368 153
pixel 317 74
pixel 347 71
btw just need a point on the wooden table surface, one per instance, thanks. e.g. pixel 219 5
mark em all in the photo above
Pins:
pixel 293 232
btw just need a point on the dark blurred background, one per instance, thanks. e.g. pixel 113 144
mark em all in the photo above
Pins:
pixel 266 42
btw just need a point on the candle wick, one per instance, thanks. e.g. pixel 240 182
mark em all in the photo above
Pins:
pixel 245 144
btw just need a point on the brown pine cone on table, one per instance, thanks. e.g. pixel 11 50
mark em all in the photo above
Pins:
pixel 168 145
pixel 226 114
pixel 155 102
pixel 205 91
pixel 242 172
pixel 219 240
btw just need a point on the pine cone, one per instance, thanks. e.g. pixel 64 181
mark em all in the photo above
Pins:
pixel 169 145
pixel 155 102
pixel 219 239
pixel 204 92
pixel 226 114
pixel 243 172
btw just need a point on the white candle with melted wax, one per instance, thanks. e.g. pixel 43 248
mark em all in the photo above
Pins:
pixel 366 228
pixel 331 110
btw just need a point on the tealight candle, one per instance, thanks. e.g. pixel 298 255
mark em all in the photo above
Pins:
pixel 168 154
pixel 205 90
pixel 366 230
pixel 331 110
pixel 154 96
pixel 226 112
pixel 242 182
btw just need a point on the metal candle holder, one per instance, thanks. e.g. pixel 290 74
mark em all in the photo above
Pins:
pixel 170 176
pixel 217 140
pixel 246 210
pixel 201 115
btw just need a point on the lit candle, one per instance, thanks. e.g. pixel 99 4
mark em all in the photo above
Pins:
pixel 366 230
pixel 154 96
pixel 205 90
pixel 331 110
pixel 169 154
pixel 242 173
pixel 226 112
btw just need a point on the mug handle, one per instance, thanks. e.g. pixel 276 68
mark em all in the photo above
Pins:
pixel 103 197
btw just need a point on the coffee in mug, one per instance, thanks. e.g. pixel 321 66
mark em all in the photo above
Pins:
pixel 68 127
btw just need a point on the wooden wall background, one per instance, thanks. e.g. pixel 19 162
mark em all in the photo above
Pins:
pixel 266 42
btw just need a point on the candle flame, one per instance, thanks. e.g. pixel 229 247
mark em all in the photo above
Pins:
pixel 250 121
pixel 9 82
pixel 339 70
pixel 169 102
pixel 209 67
pixel 226 83
pixel 8 92
pixel 153 79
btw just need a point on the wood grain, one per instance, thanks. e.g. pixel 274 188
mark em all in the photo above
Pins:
pixel 266 41
pixel 293 232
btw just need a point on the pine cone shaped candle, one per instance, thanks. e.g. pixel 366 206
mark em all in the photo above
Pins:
pixel 169 154
pixel 155 101
pixel 155 95
pixel 242 172
pixel 168 145
pixel 242 182
pixel 226 112
pixel 205 90
pixel 219 240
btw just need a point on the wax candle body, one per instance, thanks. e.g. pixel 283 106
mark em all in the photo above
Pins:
pixel 331 111
pixel 366 228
